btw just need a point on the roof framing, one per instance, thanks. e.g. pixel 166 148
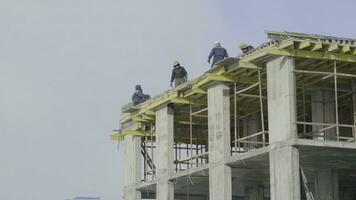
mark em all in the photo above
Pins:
pixel 299 45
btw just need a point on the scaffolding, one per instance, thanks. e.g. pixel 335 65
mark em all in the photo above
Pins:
pixel 249 93
pixel 326 78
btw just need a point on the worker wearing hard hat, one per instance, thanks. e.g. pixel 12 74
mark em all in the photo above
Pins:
pixel 139 97
pixel 218 52
pixel 245 48
pixel 179 74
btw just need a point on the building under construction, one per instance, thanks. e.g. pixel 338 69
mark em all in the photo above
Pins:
pixel 278 123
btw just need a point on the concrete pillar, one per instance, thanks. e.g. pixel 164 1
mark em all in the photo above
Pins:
pixel 323 111
pixel 284 159
pixel 251 125
pixel 164 158
pixel 254 193
pixel 327 185
pixel 219 142
pixel 132 167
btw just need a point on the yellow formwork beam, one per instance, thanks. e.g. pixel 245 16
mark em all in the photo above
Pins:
pixel 316 55
pixel 193 91
pixel 123 133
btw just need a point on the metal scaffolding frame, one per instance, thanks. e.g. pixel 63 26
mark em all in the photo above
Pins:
pixel 195 149
pixel 238 141
pixel 322 127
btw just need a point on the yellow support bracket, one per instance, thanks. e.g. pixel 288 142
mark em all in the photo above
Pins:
pixel 317 46
pixel 346 49
pixel 247 65
pixel 304 44
pixel 286 44
pixel 333 48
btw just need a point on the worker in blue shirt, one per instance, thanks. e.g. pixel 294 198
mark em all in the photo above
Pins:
pixel 218 52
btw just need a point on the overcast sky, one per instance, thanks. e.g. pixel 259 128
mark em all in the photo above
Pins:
pixel 67 66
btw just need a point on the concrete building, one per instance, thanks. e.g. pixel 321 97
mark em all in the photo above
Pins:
pixel 275 123
pixel 86 198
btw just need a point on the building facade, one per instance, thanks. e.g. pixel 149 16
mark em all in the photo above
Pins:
pixel 278 123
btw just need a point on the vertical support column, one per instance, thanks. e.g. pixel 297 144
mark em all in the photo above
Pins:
pixel 327 185
pixel 219 141
pixel 323 111
pixel 284 160
pixel 132 167
pixel 165 160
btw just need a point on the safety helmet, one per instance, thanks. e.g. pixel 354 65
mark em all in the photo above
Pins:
pixel 216 43
pixel 243 45
pixel 175 63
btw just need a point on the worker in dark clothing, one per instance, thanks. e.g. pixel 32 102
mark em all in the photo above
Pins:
pixel 245 48
pixel 218 52
pixel 179 75
pixel 138 97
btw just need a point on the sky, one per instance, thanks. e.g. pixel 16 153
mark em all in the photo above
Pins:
pixel 67 67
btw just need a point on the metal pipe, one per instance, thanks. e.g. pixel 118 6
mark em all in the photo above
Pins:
pixel 235 120
pixel 191 130
pixel 261 107
pixel 245 89
pixel 336 103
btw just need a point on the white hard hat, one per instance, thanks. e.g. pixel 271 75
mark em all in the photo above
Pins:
pixel 243 45
pixel 175 62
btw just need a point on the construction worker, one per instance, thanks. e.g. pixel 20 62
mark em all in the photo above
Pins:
pixel 245 48
pixel 138 97
pixel 218 52
pixel 179 74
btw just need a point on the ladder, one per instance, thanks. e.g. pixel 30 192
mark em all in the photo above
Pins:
pixel 308 193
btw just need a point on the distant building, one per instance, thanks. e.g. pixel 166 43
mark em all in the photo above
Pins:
pixel 86 198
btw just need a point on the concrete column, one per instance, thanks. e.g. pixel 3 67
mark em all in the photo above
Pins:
pixel 251 125
pixel 284 159
pixel 219 142
pixel 323 111
pixel 164 158
pixel 327 185
pixel 132 167
pixel 254 193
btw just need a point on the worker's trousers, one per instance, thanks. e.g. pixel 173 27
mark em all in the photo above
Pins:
pixel 179 81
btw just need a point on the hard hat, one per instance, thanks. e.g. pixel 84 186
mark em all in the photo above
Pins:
pixel 175 63
pixel 243 45
pixel 216 44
